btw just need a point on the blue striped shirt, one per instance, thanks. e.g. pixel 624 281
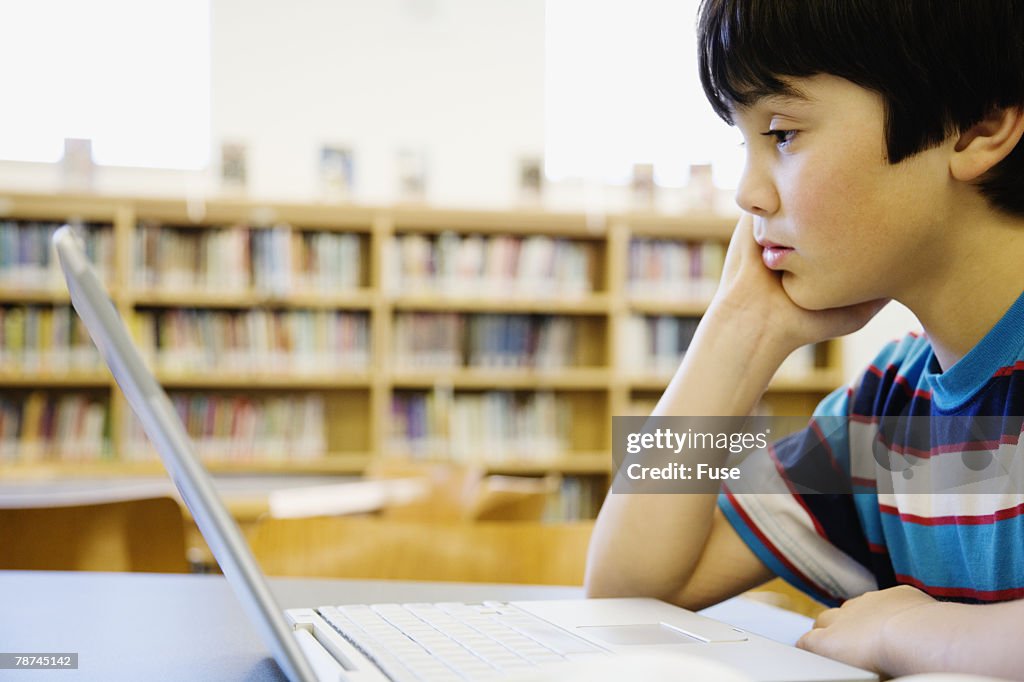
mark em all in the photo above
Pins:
pixel 939 506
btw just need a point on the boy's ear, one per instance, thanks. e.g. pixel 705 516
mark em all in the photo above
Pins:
pixel 986 143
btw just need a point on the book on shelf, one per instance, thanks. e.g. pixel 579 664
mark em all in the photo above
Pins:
pixel 272 262
pixel 71 427
pixel 493 265
pixel 173 258
pixel 674 269
pixel 454 340
pixel 480 428
pixel 255 340
pixel 27 260
pixel 579 497
pixel 326 261
pixel 47 339
pixel 243 428
pixel 655 343
pixel 276 261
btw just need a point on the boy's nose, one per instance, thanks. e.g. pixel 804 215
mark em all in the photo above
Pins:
pixel 756 193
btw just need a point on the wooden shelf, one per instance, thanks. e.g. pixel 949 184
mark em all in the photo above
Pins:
pixel 34 296
pixel 290 381
pixel 584 305
pixel 819 381
pixel 332 464
pixel 572 463
pixel 519 222
pixel 75 379
pixel 582 463
pixel 523 378
pixel 708 226
pixel 361 299
pixel 665 306
pixel 337 464
pixel 231 211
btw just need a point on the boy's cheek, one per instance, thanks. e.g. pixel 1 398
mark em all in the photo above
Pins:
pixel 834 282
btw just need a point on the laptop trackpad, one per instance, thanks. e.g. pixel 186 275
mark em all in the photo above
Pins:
pixel 645 634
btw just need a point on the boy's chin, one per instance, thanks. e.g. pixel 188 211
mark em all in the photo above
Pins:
pixel 811 295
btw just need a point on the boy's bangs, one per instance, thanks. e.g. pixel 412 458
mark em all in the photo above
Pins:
pixel 747 48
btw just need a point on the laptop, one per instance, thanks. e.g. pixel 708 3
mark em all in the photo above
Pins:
pixel 444 641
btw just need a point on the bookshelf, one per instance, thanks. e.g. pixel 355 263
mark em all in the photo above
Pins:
pixel 313 338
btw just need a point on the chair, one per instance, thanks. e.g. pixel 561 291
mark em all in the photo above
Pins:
pixel 387 549
pixel 513 498
pixel 145 535
pixel 466 492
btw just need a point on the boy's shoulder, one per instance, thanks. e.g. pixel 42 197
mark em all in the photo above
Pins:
pixel 902 357
pixel 906 378
pixel 895 375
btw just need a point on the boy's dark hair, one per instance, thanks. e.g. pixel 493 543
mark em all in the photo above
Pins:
pixel 940 65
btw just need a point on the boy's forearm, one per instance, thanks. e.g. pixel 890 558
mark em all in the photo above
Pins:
pixel 948 637
pixel 725 372
pixel 732 358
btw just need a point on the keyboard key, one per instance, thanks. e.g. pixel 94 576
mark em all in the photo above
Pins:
pixel 451 641
pixel 555 638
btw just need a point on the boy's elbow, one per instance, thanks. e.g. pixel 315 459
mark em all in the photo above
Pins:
pixel 596 588
pixel 604 583
pixel 599 582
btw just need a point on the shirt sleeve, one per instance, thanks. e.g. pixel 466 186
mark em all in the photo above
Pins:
pixel 813 541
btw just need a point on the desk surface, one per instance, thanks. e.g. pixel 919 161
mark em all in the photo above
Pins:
pixel 190 627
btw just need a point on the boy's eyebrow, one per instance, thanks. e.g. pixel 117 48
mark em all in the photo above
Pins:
pixel 789 96
pixel 784 98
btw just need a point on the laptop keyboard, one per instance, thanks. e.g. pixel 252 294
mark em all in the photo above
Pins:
pixel 453 641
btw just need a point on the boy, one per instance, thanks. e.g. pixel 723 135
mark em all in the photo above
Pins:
pixel 883 162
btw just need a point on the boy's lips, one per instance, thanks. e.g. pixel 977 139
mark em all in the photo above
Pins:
pixel 769 244
pixel 773 254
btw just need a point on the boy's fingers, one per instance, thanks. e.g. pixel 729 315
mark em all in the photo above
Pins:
pixel 826 618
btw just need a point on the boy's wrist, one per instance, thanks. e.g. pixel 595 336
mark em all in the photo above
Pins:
pixel 730 362
pixel 771 340
pixel 908 638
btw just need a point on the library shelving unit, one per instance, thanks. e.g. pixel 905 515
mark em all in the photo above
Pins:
pixel 316 338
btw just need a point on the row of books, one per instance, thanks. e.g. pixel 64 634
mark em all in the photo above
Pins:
pixel 489 427
pixel 187 258
pixel 276 260
pixel 72 427
pixel 283 341
pixel 243 428
pixel 27 259
pixel 286 261
pixel 655 343
pixel 449 340
pixel 450 263
pixel 674 269
pixel 45 339
pixel 580 497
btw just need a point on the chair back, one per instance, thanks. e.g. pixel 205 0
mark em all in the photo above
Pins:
pixel 387 549
pixel 127 535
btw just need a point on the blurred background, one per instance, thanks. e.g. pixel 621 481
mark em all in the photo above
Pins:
pixel 404 123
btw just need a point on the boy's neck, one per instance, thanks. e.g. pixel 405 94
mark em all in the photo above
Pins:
pixel 975 285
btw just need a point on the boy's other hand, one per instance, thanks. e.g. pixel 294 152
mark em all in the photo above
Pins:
pixel 755 292
pixel 855 632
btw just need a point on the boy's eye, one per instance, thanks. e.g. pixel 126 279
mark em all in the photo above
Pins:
pixel 782 137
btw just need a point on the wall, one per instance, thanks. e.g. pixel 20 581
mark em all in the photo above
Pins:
pixel 462 78
pixel 861 347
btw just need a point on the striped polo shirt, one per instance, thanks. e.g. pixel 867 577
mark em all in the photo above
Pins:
pixel 931 465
